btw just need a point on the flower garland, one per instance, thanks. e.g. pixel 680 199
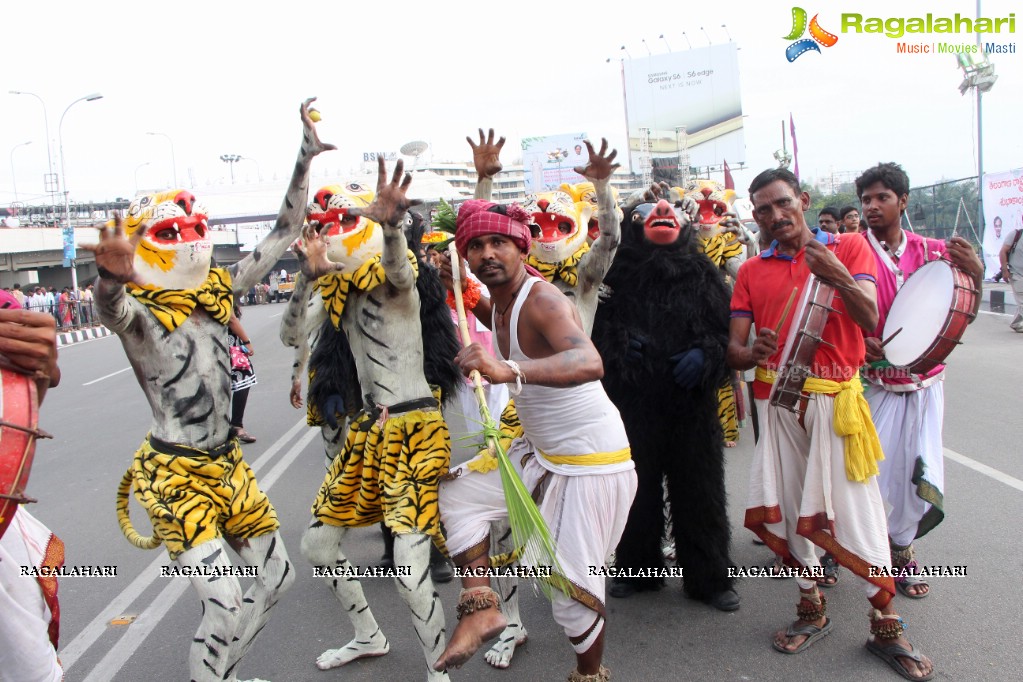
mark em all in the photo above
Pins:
pixel 470 296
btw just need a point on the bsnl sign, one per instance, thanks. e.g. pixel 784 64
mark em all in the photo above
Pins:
pixel 386 156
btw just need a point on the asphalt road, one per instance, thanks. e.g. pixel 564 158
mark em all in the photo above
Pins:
pixel 98 415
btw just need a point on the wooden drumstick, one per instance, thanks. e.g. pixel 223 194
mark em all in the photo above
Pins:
pixel 889 339
pixel 785 312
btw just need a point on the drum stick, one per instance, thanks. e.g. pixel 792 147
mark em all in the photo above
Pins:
pixel 889 339
pixel 785 312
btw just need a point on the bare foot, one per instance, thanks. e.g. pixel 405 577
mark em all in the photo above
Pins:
pixel 730 443
pixel 500 655
pixel 376 645
pixel 915 669
pixel 470 634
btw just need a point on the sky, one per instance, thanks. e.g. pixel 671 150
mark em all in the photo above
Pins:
pixel 227 77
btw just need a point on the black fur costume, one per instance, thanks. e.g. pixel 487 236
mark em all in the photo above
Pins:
pixel 673 298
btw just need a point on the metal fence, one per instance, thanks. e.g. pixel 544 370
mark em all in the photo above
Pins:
pixel 933 209
pixel 69 314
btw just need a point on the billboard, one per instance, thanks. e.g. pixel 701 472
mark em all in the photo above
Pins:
pixel 549 160
pixel 1003 213
pixel 696 89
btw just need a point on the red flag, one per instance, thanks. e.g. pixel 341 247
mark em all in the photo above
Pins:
pixel 729 182
pixel 795 148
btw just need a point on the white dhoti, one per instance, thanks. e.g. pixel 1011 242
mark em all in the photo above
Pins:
pixel 912 477
pixel 585 512
pixel 799 496
pixel 27 624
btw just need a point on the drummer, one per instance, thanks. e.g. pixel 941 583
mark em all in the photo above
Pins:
pixel 906 410
pixel 809 486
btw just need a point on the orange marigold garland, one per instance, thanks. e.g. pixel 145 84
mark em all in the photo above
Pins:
pixel 470 296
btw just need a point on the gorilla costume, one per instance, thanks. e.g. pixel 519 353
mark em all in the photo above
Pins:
pixel 662 331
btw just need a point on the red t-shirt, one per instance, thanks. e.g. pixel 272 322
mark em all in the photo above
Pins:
pixel 765 283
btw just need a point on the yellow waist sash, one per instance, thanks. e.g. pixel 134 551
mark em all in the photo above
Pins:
pixel 851 421
pixel 594 459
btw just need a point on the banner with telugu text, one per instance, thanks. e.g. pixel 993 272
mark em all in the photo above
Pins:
pixel 1003 212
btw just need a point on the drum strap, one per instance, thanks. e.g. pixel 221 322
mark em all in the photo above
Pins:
pixel 889 258
pixel 852 421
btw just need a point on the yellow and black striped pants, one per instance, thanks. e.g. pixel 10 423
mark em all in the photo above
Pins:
pixel 193 496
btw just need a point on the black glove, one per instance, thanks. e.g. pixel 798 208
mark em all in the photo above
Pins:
pixel 636 350
pixel 688 367
pixel 333 406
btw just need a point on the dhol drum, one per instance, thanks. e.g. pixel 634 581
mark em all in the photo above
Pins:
pixel 801 345
pixel 929 316
pixel 19 414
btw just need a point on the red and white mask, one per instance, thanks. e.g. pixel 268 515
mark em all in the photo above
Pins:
pixel 351 240
pixel 558 225
pixel 176 250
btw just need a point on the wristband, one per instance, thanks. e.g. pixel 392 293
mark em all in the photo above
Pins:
pixel 520 377
pixel 245 342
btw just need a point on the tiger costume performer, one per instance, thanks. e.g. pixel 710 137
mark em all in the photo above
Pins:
pixel 390 307
pixel 158 293
pixel 333 394
pixel 562 225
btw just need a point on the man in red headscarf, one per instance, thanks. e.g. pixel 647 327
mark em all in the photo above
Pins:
pixel 574 454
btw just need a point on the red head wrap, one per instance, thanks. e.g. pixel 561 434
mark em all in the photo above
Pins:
pixel 475 219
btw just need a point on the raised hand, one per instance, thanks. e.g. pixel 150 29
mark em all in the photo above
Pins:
pixel 485 154
pixel 115 254
pixel 309 134
pixel 391 202
pixel 730 223
pixel 601 165
pixel 311 251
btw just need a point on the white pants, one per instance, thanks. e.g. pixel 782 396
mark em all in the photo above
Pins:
pixel 800 493
pixel 586 515
pixel 26 652
pixel 909 427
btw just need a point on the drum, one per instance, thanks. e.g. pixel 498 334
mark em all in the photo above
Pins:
pixel 928 316
pixel 19 412
pixel 801 345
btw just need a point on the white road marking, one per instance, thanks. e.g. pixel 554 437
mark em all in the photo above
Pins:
pixel 112 374
pixel 95 629
pixel 997 475
pixel 151 616
pixel 277 315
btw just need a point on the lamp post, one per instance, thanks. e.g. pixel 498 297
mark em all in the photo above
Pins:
pixel 14 179
pixel 69 234
pixel 51 180
pixel 137 169
pixel 174 162
pixel 230 160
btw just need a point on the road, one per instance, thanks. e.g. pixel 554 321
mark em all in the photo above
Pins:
pixel 98 417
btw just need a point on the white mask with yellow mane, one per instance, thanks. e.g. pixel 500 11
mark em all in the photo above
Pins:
pixel 586 192
pixel 351 240
pixel 558 225
pixel 176 250
pixel 713 200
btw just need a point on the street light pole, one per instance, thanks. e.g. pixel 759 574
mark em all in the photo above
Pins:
pixel 230 160
pixel 174 162
pixel 63 178
pixel 50 177
pixel 14 178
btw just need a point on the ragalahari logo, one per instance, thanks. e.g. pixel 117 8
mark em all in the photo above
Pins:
pixel 818 35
